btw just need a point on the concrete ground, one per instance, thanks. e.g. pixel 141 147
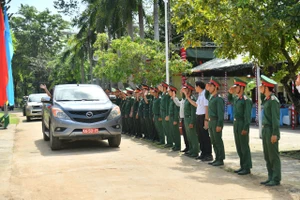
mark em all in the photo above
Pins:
pixel 136 170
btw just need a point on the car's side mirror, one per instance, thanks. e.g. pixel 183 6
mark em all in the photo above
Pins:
pixel 46 100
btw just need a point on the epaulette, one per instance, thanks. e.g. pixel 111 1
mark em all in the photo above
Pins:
pixel 245 97
pixel 273 97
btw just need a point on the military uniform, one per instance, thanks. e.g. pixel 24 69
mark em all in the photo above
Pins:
pixel 271 123
pixel 122 107
pixel 157 118
pixel 164 110
pixel 140 117
pixel 242 119
pixel 216 119
pixel 128 110
pixel 136 122
pixel 146 114
pixel 190 118
pixel 174 118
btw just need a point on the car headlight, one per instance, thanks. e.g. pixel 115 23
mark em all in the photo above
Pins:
pixel 58 113
pixel 115 112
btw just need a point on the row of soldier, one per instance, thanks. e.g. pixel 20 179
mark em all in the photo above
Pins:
pixel 155 113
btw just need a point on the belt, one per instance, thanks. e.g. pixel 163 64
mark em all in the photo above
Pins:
pixel 212 118
pixel 238 119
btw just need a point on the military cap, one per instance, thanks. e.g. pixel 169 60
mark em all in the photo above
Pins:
pixel 164 84
pixel 267 81
pixel 214 82
pixel 172 88
pixel 189 86
pixel 239 82
pixel 137 90
pixel 113 89
pixel 144 86
pixel 129 90
pixel 125 92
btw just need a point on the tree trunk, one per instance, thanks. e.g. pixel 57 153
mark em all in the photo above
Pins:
pixel 82 71
pixel 156 20
pixel 130 28
pixel 141 20
pixel 90 51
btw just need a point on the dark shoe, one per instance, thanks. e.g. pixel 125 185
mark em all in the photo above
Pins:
pixel 265 182
pixel 207 158
pixel 185 150
pixel 272 183
pixel 244 172
pixel 193 155
pixel 213 162
pixel 200 157
pixel 175 149
pixel 168 146
pixel 218 163
pixel 237 171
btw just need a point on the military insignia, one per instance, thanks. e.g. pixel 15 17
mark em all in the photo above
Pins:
pixel 245 97
pixel 273 97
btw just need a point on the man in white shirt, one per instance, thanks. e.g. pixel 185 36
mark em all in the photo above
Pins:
pixel 298 82
pixel 202 122
pixel 180 103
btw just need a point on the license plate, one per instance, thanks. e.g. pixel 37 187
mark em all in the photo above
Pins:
pixel 90 130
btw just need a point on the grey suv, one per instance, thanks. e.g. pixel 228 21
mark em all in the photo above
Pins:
pixel 80 112
pixel 33 106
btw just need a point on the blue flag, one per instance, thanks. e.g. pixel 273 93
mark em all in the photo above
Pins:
pixel 9 55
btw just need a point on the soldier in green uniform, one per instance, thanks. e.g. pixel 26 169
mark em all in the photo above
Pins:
pixel 118 95
pixel 136 122
pixel 270 131
pixel 146 112
pixel 174 119
pixel 164 107
pixel 190 122
pixel 216 120
pixel 156 116
pixel 140 116
pixel 128 111
pixel 122 107
pixel 242 119
pixel 154 134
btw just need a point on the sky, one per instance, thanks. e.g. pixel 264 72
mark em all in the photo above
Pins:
pixel 39 4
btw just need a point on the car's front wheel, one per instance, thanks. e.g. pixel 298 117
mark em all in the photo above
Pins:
pixel 55 143
pixel 44 129
pixel 28 119
pixel 115 141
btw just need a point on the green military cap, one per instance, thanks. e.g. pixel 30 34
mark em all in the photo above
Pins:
pixel 113 89
pixel 239 82
pixel 267 81
pixel 214 82
pixel 124 91
pixel 144 86
pixel 164 84
pixel 173 88
pixel 189 86
pixel 129 90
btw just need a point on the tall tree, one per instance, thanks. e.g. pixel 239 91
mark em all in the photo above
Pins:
pixel 42 37
pixel 268 30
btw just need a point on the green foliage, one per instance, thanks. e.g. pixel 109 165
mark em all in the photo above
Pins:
pixel 268 30
pixel 38 37
pixel 137 61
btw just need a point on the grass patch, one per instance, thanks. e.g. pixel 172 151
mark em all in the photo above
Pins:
pixel 291 154
pixel 13 119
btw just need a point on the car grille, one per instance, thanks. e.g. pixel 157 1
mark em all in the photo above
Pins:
pixel 89 120
pixel 36 107
pixel 96 112
pixel 80 116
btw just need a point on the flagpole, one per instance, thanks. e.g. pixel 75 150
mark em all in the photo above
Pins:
pixel 167 42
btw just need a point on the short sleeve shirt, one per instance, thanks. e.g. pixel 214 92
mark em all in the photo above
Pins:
pixel 201 103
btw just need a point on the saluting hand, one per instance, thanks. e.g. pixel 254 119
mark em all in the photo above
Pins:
pixel 231 90
pixel 167 118
pixel 218 129
pixel 298 80
pixel 274 139
pixel 244 132
pixel 207 86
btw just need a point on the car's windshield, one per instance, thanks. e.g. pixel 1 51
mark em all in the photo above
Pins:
pixel 80 93
pixel 36 97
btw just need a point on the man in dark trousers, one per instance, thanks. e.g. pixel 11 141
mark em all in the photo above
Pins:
pixel 164 109
pixel 190 122
pixel 202 122
pixel 216 120
pixel 242 119
pixel 270 131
